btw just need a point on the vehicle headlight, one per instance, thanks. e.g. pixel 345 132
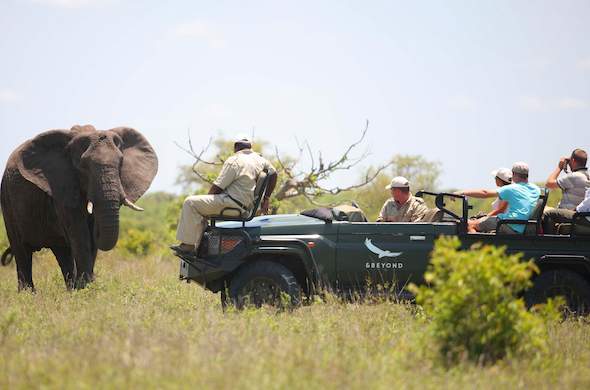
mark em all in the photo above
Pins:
pixel 220 245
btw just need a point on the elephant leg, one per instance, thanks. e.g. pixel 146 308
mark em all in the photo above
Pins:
pixel 24 267
pixel 84 266
pixel 66 263
pixel 81 248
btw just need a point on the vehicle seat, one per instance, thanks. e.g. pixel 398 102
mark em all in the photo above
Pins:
pixel 348 213
pixel 533 225
pixel 433 215
pixel 580 226
pixel 237 214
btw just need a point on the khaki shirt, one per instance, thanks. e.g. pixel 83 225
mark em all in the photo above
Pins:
pixel 239 174
pixel 411 211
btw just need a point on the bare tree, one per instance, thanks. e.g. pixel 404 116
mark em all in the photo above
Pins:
pixel 295 182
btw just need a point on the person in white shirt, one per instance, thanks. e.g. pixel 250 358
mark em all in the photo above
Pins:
pixel 584 207
pixel 573 186
pixel 503 177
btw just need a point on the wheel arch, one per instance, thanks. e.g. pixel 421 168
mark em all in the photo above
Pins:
pixel 293 255
pixel 577 264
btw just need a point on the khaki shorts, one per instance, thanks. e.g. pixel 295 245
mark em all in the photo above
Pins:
pixel 486 224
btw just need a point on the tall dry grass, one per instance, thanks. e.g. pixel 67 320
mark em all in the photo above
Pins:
pixel 138 326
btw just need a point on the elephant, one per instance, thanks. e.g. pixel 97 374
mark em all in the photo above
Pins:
pixel 63 189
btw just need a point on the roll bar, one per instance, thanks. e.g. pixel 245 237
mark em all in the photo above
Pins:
pixel 439 201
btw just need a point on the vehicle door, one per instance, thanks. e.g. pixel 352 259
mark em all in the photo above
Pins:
pixel 383 253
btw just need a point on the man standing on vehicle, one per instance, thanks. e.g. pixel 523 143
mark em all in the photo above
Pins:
pixel 234 187
pixel 402 206
pixel 521 196
pixel 573 186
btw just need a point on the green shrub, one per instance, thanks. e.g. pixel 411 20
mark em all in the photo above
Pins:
pixel 137 242
pixel 472 303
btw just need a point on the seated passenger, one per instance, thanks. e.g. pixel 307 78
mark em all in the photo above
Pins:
pixel 582 226
pixel 402 206
pixel 584 207
pixel 521 196
pixel 503 177
pixel 233 188
pixel 573 185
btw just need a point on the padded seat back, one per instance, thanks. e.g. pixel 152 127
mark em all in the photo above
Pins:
pixel 260 188
pixel 537 215
pixel 237 214
pixel 433 215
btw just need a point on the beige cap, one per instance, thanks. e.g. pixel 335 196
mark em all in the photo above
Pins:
pixel 241 138
pixel 242 142
pixel 503 174
pixel 398 182
pixel 520 168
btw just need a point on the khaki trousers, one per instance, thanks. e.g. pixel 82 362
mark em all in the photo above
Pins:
pixel 193 218
pixel 551 216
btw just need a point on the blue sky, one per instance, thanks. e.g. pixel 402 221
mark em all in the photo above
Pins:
pixel 474 85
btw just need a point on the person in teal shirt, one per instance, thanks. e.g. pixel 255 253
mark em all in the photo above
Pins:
pixel 521 196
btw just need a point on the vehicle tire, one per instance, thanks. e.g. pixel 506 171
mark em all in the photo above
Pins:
pixel 264 283
pixel 572 286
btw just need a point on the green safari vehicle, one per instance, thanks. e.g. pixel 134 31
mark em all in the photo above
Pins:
pixel 268 259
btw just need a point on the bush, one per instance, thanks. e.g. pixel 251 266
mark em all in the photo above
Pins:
pixel 472 303
pixel 137 242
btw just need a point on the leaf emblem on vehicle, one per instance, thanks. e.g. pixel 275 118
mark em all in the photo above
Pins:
pixel 378 251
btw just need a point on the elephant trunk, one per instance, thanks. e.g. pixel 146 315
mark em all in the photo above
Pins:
pixel 107 225
pixel 105 203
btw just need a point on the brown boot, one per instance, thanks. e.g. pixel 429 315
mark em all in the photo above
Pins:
pixel 184 247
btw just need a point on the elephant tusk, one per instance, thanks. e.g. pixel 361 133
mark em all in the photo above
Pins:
pixel 131 205
pixel 89 207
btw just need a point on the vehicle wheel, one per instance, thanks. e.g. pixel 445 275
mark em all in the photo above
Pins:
pixel 573 287
pixel 264 283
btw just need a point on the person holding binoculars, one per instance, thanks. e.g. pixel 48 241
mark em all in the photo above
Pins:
pixel 573 184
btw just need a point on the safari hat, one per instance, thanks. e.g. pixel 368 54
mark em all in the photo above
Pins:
pixel 503 174
pixel 242 140
pixel 520 168
pixel 398 182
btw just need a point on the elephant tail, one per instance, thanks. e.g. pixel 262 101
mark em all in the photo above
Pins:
pixel 6 257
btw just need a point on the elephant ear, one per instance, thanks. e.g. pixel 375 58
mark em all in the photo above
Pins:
pixel 140 163
pixel 44 162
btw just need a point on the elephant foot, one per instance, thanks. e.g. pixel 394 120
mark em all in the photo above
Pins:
pixel 24 286
pixel 83 281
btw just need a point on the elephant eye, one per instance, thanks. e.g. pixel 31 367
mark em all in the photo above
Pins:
pixel 117 141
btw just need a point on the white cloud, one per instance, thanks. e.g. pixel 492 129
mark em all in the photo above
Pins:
pixel 572 104
pixel 532 103
pixel 538 104
pixel 462 103
pixel 72 3
pixel 9 96
pixel 584 64
pixel 199 31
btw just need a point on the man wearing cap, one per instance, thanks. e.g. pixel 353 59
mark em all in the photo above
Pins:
pixel 573 187
pixel 521 197
pixel 402 206
pixel 234 187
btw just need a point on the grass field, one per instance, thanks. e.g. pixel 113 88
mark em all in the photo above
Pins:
pixel 137 326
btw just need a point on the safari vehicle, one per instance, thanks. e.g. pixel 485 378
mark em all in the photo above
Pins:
pixel 262 260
